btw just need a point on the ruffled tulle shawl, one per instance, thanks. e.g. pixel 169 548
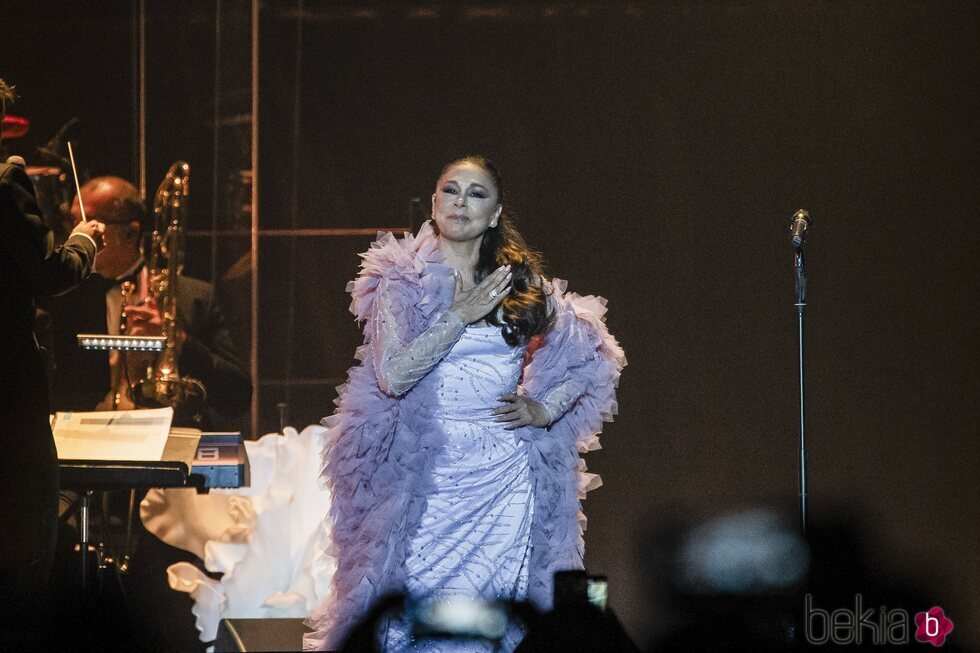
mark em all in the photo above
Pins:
pixel 376 453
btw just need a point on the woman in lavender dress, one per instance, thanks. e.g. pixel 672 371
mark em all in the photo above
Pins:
pixel 453 454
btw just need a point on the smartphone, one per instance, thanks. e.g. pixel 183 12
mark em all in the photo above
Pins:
pixel 577 587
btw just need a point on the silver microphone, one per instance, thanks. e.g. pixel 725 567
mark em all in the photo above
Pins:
pixel 799 227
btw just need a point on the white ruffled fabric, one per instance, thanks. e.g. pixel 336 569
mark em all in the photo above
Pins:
pixel 268 540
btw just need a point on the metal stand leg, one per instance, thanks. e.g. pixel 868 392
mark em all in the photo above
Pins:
pixel 85 505
pixel 800 276
pixel 123 565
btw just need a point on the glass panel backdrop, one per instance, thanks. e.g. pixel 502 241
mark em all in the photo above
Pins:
pixel 196 95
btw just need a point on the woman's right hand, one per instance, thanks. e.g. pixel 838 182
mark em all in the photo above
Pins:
pixel 474 304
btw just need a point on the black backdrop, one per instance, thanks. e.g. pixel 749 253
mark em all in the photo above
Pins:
pixel 655 154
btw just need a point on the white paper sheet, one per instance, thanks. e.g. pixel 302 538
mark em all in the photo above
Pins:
pixel 112 435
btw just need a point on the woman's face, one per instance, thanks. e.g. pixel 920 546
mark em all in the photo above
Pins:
pixel 466 202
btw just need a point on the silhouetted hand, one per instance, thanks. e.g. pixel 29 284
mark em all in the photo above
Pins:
pixel 94 230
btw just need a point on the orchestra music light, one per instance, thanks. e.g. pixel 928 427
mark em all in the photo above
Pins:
pixel 121 343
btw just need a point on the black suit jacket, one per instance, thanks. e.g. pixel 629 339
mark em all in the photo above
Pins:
pixel 81 378
pixel 30 265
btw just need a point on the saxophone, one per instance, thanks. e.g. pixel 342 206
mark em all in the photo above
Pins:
pixel 162 384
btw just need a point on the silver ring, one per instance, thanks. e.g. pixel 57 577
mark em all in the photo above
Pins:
pixel 493 293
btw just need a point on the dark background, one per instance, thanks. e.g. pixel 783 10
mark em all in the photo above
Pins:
pixel 655 153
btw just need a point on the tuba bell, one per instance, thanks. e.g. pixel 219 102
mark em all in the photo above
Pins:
pixel 162 384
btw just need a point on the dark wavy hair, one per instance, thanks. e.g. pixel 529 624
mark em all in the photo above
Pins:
pixel 525 310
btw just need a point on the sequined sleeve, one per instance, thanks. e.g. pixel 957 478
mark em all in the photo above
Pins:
pixel 399 365
pixel 560 398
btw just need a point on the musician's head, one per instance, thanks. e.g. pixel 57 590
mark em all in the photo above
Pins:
pixel 117 203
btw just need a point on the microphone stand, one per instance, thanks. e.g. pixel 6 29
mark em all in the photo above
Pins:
pixel 800 278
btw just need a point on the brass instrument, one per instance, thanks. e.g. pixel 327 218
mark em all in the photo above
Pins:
pixel 162 384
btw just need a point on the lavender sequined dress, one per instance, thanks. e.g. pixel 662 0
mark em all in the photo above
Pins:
pixel 475 535
pixel 430 494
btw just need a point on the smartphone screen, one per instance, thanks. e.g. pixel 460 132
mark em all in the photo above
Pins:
pixel 576 587
pixel 598 592
pixel 458 617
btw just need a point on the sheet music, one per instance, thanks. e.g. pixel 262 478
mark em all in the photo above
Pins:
pixel 112 435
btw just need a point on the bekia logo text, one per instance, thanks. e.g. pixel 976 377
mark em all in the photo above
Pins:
pixel 865 625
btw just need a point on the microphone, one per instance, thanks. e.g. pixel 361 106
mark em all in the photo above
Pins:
pixel 799 226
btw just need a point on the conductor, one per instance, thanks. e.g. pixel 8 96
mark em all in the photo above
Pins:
pixel 30 266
